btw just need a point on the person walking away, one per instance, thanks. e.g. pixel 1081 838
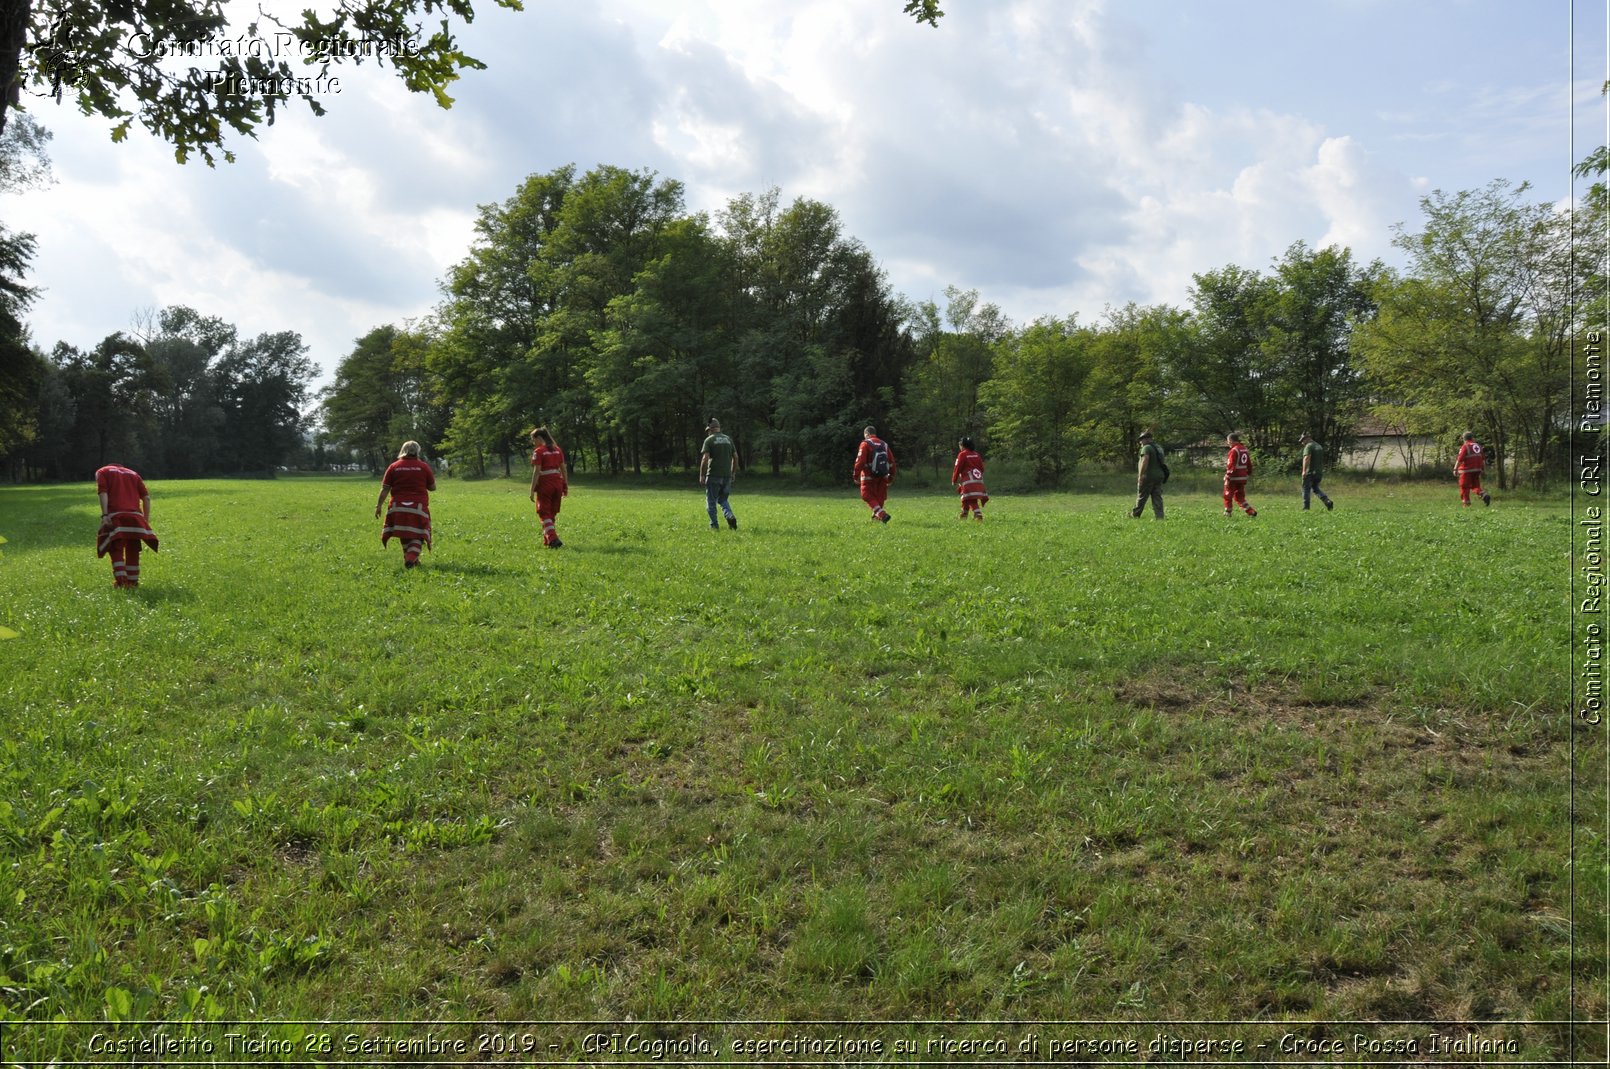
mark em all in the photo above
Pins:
pixel 718 467
pixel 967 476
pixel 1237 470
pixel 873 472
pixel 125 522
pixel 1469 465
pixel 409 481
pixel 1313 470
pixel 1149 478
pixel 548 483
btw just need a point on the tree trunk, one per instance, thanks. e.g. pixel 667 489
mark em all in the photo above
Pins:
pixel 13 37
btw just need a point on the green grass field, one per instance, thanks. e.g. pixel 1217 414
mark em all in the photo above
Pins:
pixel 1061 765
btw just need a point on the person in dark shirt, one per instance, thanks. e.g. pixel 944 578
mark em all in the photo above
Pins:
pixel 718 466
pixel 1149 477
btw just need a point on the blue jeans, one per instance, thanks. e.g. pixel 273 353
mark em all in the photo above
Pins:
pixel 715 493
pixel 1311 484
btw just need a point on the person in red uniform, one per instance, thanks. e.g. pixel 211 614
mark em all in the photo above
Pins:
pixel 967 476
pixel 548 484
pixel 1469 465
pixel 1237 470
pixel 125 522
pixel 873 471
pixel 409 481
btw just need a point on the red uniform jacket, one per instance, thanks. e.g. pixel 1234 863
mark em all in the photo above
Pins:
pixel 550 465
pixel 968 475
pixel 124 517
pixel 1237 464
pixel 1471 459
pixel 408 516
pixel 410 479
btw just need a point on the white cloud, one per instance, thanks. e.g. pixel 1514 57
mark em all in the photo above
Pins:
pixel 1058 156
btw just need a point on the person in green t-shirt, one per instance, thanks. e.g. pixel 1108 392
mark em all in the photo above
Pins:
pixel 1313 470
pixel 718 466
pixel 1149 478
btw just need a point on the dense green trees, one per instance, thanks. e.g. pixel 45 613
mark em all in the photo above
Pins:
pixel 1033 397
pixel 188 410
pixel 1320 299
pixel 381 397
pixel 1271 355
pixel 1125 391
pixel 597 304
pixel 941 398
pixel 1268 355
pixel 530 328
pixel 189 398
pixel 1477 334
pixel 23 163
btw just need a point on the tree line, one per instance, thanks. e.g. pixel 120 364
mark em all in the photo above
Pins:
pixel 596 303
pixel 183 394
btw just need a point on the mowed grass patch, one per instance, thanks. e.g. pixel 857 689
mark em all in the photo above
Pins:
pixel 1060 764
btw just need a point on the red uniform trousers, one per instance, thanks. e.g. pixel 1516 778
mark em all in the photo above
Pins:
pixel 409 523
pixel 1235 493
pixel 121 537
pixel 125 554
pixel 874 492
pixel 548 499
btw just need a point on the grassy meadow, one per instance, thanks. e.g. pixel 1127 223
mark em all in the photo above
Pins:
pixel 1062 765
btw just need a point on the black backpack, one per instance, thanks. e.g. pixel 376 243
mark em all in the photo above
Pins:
pixel 878 465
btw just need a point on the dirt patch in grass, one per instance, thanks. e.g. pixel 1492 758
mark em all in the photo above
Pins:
pixel 1288 703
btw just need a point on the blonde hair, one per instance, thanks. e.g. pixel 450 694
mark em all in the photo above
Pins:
pixel 547 438
pixel 409 449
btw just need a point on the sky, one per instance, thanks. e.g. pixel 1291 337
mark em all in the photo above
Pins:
pixel 1060 157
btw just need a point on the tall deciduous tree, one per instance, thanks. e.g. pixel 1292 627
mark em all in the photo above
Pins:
pixel 1478 335
pixel 263 387
pixel 1226 377
pixel 485 357
pixel 23 163
pixel 665 357
pixel 530 307
pixel 361 404
pixel 612 225
pixel 940 401
pixel 1319 298
pixel 819 347
pixel 1125 392
pixel 1032 399
pixel 112 388
pixel 189 412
